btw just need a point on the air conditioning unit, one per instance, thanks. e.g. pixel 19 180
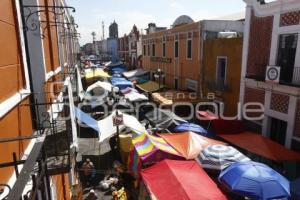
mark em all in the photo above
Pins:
pixel 272 74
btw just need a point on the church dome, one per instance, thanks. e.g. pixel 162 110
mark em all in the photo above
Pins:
pixel 183 19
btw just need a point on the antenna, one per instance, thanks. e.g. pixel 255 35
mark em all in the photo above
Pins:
pixel 102 30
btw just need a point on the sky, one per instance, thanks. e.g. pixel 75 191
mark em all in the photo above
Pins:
pixel 90 13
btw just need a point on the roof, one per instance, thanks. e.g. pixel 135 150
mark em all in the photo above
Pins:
pixel 177 180
pixel 261 146
pixel 183 19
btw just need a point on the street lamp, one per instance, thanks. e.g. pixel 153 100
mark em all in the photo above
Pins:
pixel 158 75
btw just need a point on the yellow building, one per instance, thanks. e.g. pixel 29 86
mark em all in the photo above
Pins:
pixel 222 71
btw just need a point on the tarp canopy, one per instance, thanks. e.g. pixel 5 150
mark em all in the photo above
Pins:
pixel 118 70
pixel 133 95
pixel 170 97
pixel 150 86
pixel 105 85
pixel 164 118
pixel 105 127
pixel 188 144
pixel 177 180
pixel 135 73
pixel 121 83
pixel 261 146
pixel 190 127
pixel 96 72
pixel 152 149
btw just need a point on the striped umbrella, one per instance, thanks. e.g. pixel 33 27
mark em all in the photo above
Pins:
pixel 218 157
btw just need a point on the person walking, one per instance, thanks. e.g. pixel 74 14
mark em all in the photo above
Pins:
pixel 88 169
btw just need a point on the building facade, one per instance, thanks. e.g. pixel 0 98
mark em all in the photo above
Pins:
pixel 270 68
pixel 179 53
pixel 33 64
pixel 222 70
pixel 123 48
pixel 113 30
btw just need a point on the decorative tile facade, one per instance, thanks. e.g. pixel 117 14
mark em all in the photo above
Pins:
pixel 280 103
pixel 290 18
pixel 255 96
pixel 297 120
pixel 260 37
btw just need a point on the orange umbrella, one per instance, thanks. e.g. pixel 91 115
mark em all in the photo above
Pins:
pixel 189 144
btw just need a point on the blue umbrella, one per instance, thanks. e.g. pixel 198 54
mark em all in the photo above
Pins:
pixel 255 181
pixel 295 189
pixel 190 127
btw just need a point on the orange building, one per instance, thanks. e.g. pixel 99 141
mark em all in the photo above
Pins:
pixel 179 53
pixel 33 57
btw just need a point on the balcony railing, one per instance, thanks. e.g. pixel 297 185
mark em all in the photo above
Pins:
pixel 217 86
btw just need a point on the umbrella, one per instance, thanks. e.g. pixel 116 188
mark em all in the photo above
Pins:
pixel 255 180
pixel 190 127
pixel 188 144
pixel 218 157
pixel 295 185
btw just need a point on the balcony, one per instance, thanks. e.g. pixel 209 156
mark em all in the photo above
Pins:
pixel 219 86
pixel 288 77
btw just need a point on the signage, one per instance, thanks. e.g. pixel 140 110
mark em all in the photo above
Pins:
pixel 161 59
pixel 273 74
pixel 118 120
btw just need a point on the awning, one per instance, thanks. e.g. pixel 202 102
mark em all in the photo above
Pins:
pixel 177 180
pixel 105 127
pixel 170 97
pixel 150 86
pixel 163 119
pixel 135 73
pixel 121 83
pixel 105 85
pixel 133 95
pixel 93 73
pixel 261 146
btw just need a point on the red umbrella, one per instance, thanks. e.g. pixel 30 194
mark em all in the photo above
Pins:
pixel 177 180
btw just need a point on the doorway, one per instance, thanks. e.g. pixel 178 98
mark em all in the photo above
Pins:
pixel 278 130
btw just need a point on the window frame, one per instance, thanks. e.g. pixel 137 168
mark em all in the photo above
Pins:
pixel 217 68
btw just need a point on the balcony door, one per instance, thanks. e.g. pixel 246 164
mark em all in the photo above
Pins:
pixel 221 71
pixel 286 56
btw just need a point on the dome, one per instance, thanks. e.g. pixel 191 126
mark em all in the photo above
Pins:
pixel 183 19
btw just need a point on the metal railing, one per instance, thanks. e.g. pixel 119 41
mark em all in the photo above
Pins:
pixel 215 85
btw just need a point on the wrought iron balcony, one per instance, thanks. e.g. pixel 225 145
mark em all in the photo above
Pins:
pixel 220 86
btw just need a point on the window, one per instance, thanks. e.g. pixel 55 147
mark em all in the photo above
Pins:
pixel 221 71
pixel 148 49
pixel 164 49
pixel 176 49
pixel 153 49
pixel 286 56
pixel 189 49
pixel 144 53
